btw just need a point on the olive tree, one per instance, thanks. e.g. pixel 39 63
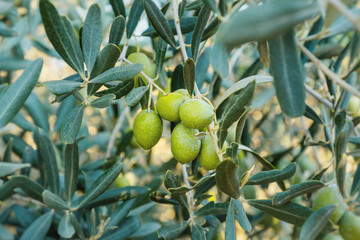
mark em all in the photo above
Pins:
pixel 256 102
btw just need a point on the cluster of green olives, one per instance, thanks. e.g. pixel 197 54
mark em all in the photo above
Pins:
pixel 349 222
pixel 191 115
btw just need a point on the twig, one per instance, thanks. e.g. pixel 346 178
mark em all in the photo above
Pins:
pixel 318 96
pixel 344 10
pixel 328 72
pixel 181 40
pixel 115 131
pixel 149 79
pixel 123 52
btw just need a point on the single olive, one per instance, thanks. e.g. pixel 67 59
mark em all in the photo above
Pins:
pixel 121 181
pixel 184 146
pixel 147 129
pixel 149 68
pixel 332 236
pixel 208 157
pixel 182 91
pixel 327 196
pixel 168 106
pixel 350 226
pixel 196 113
pixel 354 106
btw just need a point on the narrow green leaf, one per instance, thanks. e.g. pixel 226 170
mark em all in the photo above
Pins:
pixel 285 66
pixel 106 59
pixel 117 30
pixel 135 95
pixel 119 73
pixel 186 25
pixel 265 177
pixel 227 179
pixel 343 102
pixel 23 123
pixel 241 216
pixel 7 32
pixel 120 213
pixel 234 110
pixel 47 154
pixel 173 231
pixel 99 185
pixel 127 227
pixel 296 190
pixel 91 36
pixel 211 29
pixel 54 201
pixel 66 106
pixel 71 125
pixel 62 86
pixel 158 21
pixel 7 153
pixel 37 111
pixel 340 148
pixel 30 188
pixel 8 63
pixel 204 184
pixel 197 232
pixel 189 75
pixel 200 25
pixel 118 8
pixel 104 101
pixel 62 36
pixel 16 94
pixel 39 228
pixel 355 186
pixel 230 232
pixel 120 90
pixel 213 209
pixel 310 113
pixel 7 168
pixel 65 227
pixel 261 22
pixel 291 212
pixel 116 195
pixel 173 181
pixel 71 169
pixel 259 79
pixel 77 226
pixel 134 16
pixel 219 60
pixel 317 221
pixel 160 55
pixel 6 190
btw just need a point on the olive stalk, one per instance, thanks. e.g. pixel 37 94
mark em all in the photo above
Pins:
pixel 215 143
pixel 190 197
pixel 149 79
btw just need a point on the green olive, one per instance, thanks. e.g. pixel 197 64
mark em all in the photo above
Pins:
pixel 148 67
pixel 354 106
pixel 249 192
pixel 147 129
pixel 208 157
pixel 332 236
pixel 168 106
pixel 327 196
pixel 196 113
pixel 121 181
pixel 182 91
pixel 350 226
pixel 184 146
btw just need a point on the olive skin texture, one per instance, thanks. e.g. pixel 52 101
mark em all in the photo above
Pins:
pixel 354 106
pixel 208 157
pixel 147 129
pixel 196 113
pixel 332 236
pixel 168 106
pixel 184 146
pixel 350 226
pixel 327 196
